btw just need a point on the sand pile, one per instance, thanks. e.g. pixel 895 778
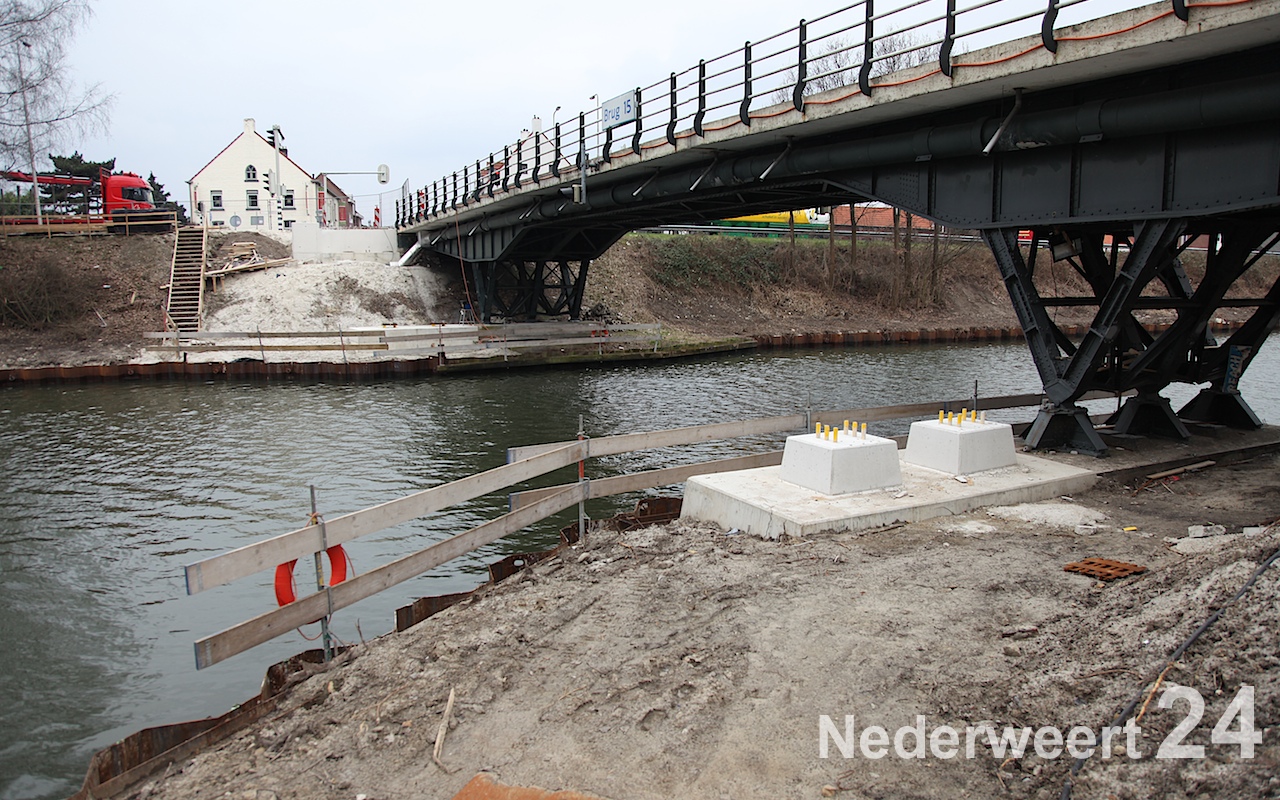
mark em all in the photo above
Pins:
pixel 334 296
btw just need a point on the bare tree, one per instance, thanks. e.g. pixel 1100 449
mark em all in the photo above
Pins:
pixel 834 65
pixel 837 62
pixel 899 51
pixel 37 93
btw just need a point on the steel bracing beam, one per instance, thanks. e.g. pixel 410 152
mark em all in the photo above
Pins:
pixel 1117 353
pixel 526 290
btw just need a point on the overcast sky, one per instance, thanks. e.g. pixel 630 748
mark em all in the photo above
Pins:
pixel 422 87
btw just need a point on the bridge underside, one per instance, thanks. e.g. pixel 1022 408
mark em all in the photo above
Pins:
pixel 1115 177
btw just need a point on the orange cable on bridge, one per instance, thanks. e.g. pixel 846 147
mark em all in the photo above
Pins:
pixel 1132 27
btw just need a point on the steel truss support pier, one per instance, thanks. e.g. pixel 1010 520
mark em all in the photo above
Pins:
pixel 526 290
pixel 1130 267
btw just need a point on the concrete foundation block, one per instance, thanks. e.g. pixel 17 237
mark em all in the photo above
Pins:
pixel 851 464
pixel 758 502
pixel 960 449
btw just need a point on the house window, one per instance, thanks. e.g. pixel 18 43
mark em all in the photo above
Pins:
pixel 252 197
pixel 288 223
pixel 257 221
pixel 215 199
pixel 251 173
pixel 288 199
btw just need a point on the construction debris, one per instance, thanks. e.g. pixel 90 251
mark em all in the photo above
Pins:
pixel 1104 568
pixel 244 257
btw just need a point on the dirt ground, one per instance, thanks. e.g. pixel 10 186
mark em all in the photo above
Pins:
pixel 684 661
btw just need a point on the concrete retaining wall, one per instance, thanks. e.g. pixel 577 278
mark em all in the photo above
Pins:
pixel 313 243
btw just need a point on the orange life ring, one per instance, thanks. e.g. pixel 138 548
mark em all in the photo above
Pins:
pixel 284 574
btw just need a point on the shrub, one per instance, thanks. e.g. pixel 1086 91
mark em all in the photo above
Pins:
pixel 41 293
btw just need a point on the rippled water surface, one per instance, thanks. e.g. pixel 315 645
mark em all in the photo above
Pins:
pixel 107 491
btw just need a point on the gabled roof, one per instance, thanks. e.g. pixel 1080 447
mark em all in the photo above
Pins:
pixel 262 139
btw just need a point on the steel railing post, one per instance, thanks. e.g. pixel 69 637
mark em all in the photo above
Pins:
pixel 1046 27
pixel 868 49
pixel 802 68
pixel 555 164
pixel 635 140
pixel 702 100
pixel 948 40
pixel 671 124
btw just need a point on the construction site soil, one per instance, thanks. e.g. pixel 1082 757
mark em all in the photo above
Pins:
pixel 683 661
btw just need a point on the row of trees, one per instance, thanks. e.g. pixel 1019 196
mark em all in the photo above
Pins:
pixel 916 281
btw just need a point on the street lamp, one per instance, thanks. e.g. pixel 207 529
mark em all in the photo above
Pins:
pixel 31 148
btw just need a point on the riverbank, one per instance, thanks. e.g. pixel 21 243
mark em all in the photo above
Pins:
pixel 709 294
pixel 684 660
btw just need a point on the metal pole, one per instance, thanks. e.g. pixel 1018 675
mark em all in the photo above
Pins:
pixel 31 149
pixel 582 478
pixel 275 185
pixel 324 544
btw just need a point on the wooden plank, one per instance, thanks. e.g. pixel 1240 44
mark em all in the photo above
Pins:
pixel 621 484
pixel 607 445
pixel 1199 465
pixel 257 265
pixel 267 348
pixel 254 335
pixel 253 558
pixel 264 627
pixel 627 442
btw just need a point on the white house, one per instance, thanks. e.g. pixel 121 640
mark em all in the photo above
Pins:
pixel 235 189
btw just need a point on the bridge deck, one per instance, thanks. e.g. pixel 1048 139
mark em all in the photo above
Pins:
pixel 1133 41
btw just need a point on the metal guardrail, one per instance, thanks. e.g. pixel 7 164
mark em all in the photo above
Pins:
pixel 852 47
pixel 527 508
pixel 149 221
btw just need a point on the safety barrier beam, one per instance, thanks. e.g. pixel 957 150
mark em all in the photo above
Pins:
pixel 526 508
pixel 265 627
pixel 638 481
pixel 253 558
pixel 627 442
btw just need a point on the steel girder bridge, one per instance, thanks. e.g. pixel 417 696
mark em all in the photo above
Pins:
pixel 1117 142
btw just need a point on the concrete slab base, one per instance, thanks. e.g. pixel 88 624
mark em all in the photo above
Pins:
pixel 759 502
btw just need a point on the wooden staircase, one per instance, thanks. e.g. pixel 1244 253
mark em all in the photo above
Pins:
pixel 186 281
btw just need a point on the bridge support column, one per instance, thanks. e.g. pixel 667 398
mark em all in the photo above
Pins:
pixel 1067 426
pixel 1222 408
pixel 1149 413
pixel 1119 261
pixel 482 275
pixel 521 290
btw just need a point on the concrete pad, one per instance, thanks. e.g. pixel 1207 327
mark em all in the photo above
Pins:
pixel 850 464
pixel 760 502
pixel 960 449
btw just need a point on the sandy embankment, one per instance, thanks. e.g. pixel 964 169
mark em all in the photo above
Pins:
pixel 684 661
pixel 312 297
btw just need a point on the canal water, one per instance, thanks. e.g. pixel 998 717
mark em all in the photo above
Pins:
pixel 107 491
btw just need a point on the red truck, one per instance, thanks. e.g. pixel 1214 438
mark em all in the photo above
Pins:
pixel 122 200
